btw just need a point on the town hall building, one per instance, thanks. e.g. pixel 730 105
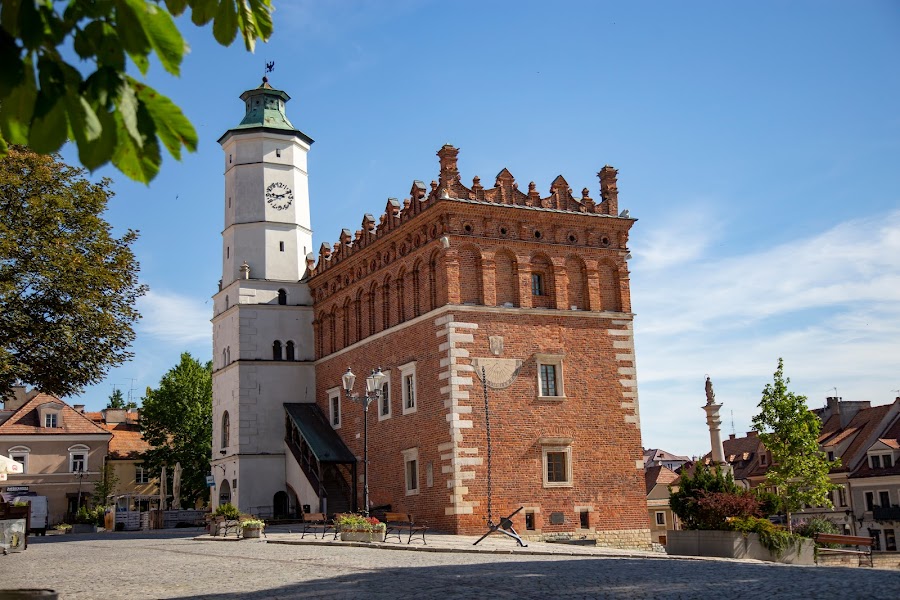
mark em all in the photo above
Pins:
pixel 473 304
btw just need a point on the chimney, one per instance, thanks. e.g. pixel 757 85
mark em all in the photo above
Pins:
pixel 113 416
pixel 16 399
pixel 79 408
pixel 752 434
pixel 731 436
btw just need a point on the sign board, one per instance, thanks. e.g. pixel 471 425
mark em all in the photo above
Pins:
pixel 16 488
pixel 210 481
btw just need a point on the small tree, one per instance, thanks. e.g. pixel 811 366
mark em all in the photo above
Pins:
pixel 799 470
pixel 707 498
pixel 117 401
pixel 106 486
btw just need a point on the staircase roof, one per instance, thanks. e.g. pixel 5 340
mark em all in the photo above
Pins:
pixel 324 441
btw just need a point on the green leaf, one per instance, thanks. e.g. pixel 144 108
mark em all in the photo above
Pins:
pixel 49 128
pixel 165 38
pixel 9 16
pixel 128 106
pixel 225 26
pixel 203 11
pixel 82 118
pixel 130 17
pixel 176 7
pixel 95 153
pixel 138 160
pixel 172 127
pixel 4 148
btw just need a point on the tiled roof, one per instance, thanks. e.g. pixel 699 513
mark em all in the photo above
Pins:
pixel 658 475
pixel 127 441
pixel 866 421
pixel 26 420
pixel 891 437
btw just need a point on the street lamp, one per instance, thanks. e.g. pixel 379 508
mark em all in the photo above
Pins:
pixel 373 392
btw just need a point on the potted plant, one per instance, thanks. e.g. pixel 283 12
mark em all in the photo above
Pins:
pixel 222 514
pixel 359 528
pixel 251 528
pixel 85 521
pixel 63 528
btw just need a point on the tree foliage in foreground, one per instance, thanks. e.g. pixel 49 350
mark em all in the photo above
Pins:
pixel 111 116
pixel 67 286
pixel 799 470
pixel 176 420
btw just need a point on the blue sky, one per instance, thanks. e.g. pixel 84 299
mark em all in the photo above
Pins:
pixel 758 145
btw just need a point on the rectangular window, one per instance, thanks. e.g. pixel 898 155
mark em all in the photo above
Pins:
pixel 529 520
pixel 278 152
pixel 875 461
pixel 763 459
pixel 22 459
pixel 334 407
pixel 890 540
pixel 842 496
pixel 429 474
pixel 78 462
pixel 384 402
pixel 556 467
pixel 888 461
pixel 661 518
pixel 281 246
pixel 408 383
pixel 884 499
pixel 870 501
pixel 411 470
pixel 50 420
pixel 876 535
pixel 141 475
pixel 548 380
pixel 584 519
pixel 537 284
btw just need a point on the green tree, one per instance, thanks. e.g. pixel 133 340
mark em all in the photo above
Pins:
pixel 707 497
pixel 111 116
pixel 176 420
pixel 106 486
pixel 117 401
pixel 67 286
pixel 799 470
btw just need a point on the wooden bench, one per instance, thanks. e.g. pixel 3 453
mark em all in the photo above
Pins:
pixel 313 521
pixel 845 540
pixel 403 524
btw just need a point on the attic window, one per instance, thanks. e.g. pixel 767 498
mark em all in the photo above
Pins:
pixel 51 420
pixel 764 459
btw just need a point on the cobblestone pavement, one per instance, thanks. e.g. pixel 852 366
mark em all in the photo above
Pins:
pixel 173 565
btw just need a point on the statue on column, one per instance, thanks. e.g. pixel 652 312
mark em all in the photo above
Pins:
pixel 710 394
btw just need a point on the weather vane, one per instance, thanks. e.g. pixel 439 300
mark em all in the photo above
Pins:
pixel 270 66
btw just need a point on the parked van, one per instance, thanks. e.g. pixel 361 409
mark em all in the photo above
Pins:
pixel 39 513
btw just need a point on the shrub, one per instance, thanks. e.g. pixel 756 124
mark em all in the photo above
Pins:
pixel 227 510
pixel 253 523
pixel 691 488
pixel 817 525
pixel 90 516
pixel 774 538
pixel 354 522
pixel 713 509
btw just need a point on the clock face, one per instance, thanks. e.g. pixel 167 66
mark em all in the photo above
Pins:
pixel 279 196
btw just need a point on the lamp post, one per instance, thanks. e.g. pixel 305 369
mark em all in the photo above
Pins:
pixel 373 392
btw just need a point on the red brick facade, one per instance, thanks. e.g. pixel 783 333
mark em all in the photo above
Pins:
pixel 457 278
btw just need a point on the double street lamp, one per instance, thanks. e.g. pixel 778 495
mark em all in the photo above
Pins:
pixel 373 392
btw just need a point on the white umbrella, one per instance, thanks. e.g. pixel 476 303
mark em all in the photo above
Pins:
pixel 8 465
pixel 176 487
pixel 162 489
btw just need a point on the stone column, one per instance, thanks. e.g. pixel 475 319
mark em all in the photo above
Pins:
pixel 714 421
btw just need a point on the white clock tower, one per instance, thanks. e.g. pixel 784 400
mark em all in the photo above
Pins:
pixel 262 317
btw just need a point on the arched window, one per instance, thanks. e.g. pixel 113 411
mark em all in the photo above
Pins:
pixel 226 302
pixel 276 350
pixel 282 297
pixel 290 350
pixel 226 429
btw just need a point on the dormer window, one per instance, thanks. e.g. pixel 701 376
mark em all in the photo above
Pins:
pixel 51 420
pixel 763 459
pixel 881 461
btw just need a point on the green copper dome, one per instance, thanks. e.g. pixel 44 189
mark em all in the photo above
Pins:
pixel 265 110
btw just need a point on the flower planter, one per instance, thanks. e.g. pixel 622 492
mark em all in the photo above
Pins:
pixel 84 528
pixel 734 544
pixel 362 536
pixel 251 532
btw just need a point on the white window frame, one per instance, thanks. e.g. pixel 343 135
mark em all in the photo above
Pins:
pixel 51 415
pixel 21 452
pixel 565 449
pixel 557 361
pixel 880 456
pixel 79 449
pixel 663 513
pixel 411 455
pixel 408 385
pixel 333 393
pixel 390 398
pixel 841 493
pixel 141 475
pixel 878 498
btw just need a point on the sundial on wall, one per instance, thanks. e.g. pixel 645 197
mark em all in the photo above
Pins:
pixel 499 373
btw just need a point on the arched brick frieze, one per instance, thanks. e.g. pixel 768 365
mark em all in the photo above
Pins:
pixel 470 275
pixel 576 294
pixel 543 289
pixel 610 290
pixel 372 309
pixel 358 315
pixel 346 324
pixel 386 321
pixel 400 296
pixel 506 277
pixel 332 330
pixel 416 281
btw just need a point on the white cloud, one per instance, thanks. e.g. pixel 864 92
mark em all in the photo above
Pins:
pixel 173 318
pixel 828 304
